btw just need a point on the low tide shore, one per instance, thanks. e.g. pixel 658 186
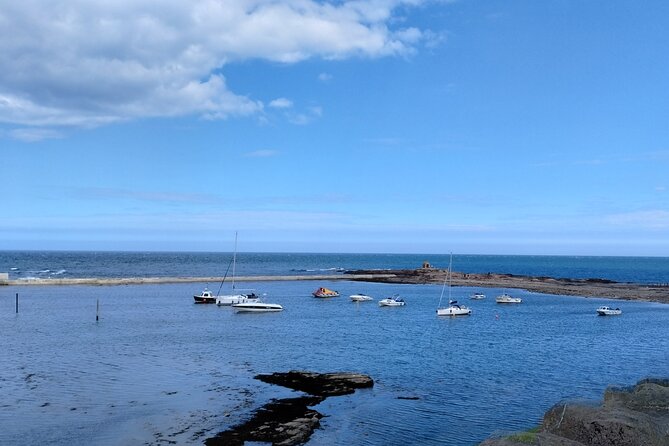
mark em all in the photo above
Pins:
pixel 545 285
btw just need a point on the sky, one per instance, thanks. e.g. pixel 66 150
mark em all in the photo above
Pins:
pixel 389 126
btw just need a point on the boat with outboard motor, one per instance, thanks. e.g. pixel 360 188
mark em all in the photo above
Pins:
pixel 608 311
pixel 507 299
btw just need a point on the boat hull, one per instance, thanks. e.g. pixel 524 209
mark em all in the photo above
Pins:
pixel 454 311
pixel 204 299
pixel 257 307
pixel 360 298
pixel 235 299
pixel 387 303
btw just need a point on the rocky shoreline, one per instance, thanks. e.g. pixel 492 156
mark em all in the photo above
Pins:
pixel 636 416
pixel 545 285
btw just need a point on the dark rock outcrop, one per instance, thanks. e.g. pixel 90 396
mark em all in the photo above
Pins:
pixel 636 416
pixel 321 384
pixel 291 421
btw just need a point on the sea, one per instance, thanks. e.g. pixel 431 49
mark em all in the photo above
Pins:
pixel 144 365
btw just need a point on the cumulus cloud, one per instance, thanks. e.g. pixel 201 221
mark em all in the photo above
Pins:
pixel 89 63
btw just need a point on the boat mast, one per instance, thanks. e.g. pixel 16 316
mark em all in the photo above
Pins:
pixel 234 262
pixel 450 264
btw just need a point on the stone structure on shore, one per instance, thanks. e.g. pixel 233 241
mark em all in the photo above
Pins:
pixel 636 416
pixel 291 421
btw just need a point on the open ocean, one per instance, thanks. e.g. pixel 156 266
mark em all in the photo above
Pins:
pixel 157 369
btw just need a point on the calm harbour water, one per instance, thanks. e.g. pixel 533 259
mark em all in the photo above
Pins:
pixel 157 368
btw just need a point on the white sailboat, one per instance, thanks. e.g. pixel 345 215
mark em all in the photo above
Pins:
pixel 207 296
pixel 235 298
pixel 453 308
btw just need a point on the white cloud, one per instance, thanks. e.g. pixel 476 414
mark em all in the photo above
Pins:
pixel 324 77
pixel 34 134
pixel 281 103
pixel 89 63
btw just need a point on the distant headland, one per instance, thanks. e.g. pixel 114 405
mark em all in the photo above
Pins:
pixel 425 275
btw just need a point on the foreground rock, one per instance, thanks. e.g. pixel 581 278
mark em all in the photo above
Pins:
pixel 290 421
pixel 321 384
pixel 638 416
pixel 546 285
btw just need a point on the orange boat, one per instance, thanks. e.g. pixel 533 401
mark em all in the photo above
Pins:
pixel 325 292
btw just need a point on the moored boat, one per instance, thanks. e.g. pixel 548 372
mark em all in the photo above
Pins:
pixel 454 309
pixel 392 301
pixel 477 296
pixel 608 311
pixel 325 292
pixel 360 297
pixel 236 299
pixel 257 307
pixel 507 299
pixel 205 297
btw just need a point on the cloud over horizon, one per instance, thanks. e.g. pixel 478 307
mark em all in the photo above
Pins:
pixel 86 64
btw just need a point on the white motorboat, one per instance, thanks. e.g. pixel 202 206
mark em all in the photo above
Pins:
pixel 454 309
pixel 608 311
pixel 257 307
pixel 393 301
pixel 507 299
pixel 360 297
pixel 236 299
pixel 477 296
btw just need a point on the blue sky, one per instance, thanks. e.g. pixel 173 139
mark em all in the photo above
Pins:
pixel 492 127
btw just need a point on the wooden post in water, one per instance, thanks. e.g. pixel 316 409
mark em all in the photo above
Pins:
pixel 97 310
pixel 17 303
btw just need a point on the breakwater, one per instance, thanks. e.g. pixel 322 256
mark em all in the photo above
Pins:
pixel 544 285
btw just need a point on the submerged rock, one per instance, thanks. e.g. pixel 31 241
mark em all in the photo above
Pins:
pixel 635 416
pixel 290 421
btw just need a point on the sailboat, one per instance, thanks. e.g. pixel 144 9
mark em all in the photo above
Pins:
pixel 208 297
pixel 453 309
pixel 239 298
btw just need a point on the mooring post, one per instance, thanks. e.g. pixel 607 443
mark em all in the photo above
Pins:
pixel 17 303
pixel 97 310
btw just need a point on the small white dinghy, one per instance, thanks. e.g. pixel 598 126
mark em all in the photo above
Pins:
pixel 608 311
pixel 477 296
pixel 360 297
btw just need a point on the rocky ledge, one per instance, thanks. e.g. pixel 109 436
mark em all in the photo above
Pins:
pixel 291 421
pixel 636 416
pixel 592 287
